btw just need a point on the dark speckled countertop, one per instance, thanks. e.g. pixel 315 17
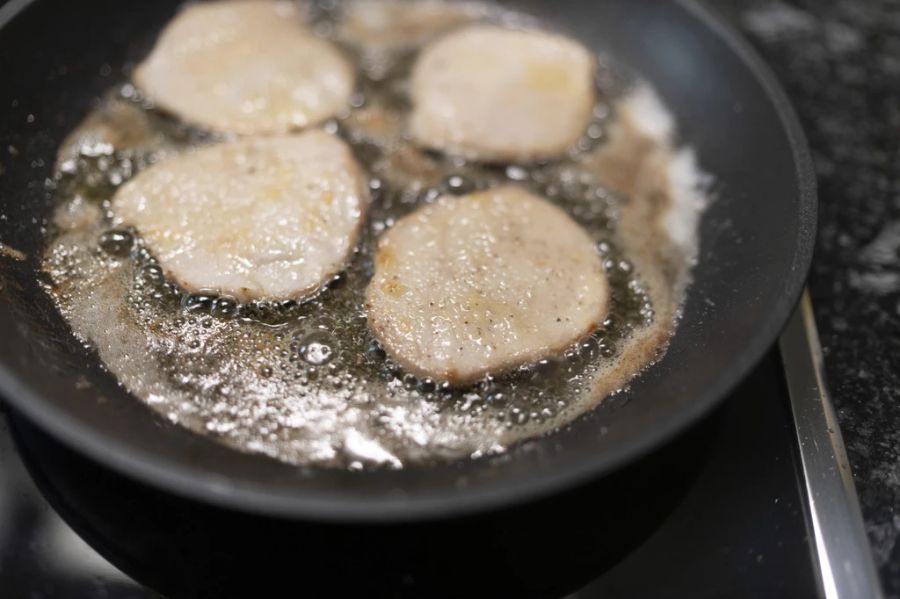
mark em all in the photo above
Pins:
pixel 840 62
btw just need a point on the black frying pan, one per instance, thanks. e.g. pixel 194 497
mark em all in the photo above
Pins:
pixel 57 57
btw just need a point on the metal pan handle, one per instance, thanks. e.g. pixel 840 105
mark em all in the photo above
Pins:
pixel 838 540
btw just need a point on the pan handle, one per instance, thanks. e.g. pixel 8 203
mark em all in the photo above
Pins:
pixel 839 545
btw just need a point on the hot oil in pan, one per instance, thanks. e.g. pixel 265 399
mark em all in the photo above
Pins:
pixel 307 383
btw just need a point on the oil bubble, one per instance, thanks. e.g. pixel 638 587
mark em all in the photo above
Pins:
pixel 224 307
pixel 410 382
pixel 457 185
pixel 339 280
pixel 117 242
pixel 259 309
pixel 516 173
pixel 376 351
pixel 357 100
pixel 153 274
pixel 318 348
pixel 286 306
pixel 197 302
pixel 589 348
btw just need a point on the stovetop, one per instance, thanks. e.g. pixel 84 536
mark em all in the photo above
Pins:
pixel 744 528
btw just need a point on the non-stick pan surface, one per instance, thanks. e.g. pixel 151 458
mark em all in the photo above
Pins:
pixel 56 58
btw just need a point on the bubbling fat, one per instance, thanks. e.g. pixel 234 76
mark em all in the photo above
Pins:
pixel 307 383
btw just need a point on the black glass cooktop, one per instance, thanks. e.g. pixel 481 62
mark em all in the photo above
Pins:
pixel 739 531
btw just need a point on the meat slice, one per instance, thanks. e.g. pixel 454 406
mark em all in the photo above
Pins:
pixel 246 67
pixel 259 218
pixel 483 283
pixel 394 24
pixel 501 95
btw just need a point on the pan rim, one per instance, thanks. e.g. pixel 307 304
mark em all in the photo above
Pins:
pixel 204 486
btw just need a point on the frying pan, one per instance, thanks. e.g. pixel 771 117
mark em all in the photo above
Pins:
pixel 56 58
